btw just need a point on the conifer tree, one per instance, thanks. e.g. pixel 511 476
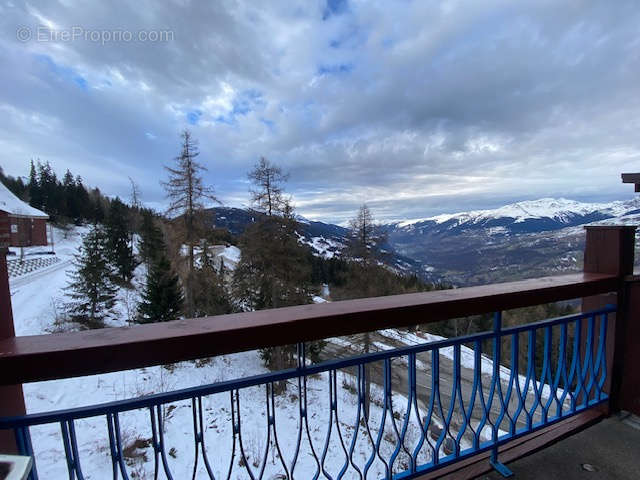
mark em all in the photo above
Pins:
pixel 274 269
pixel 211 296
pixel 90 289
pixel 151 241
pixel 187 193
pixel 162 298
pixel 119 240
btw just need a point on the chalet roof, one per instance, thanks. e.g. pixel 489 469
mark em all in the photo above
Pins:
pixel 14 206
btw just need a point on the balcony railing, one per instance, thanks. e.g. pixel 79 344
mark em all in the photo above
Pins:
pixel 428 433
pixel 425 409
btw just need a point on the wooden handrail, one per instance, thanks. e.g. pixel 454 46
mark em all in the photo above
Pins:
pixel 63 355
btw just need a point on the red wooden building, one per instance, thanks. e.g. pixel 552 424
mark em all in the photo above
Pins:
pixel 21 225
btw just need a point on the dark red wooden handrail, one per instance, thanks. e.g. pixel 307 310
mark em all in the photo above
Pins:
pixel 45 357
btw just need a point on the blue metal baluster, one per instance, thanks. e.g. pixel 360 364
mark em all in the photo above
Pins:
pixel 601 358
pixel 272 422
pixel 477 385
pixel 265 457
pixel 506 399
pixel 161 443
pixel 234 432
pixel 497 384
pixel 366 413
pixel 74 448
pixel 345 466
pixel 446 430
pixel 562 348
pixel 516 366
pixel 356 427
pixel 401 433
pixel 119 449
pixel 200 439
pixel 531 377
pixel 590 365
pixel 71 467
pixel 245 461
pixel 466 417
pixel 584 366
pixel 386 401
pixel 545 375
pixel 299 355
pixel 196 437
pixel 566 383
pixel 574 371
pixel 438 404
pixel 329 426
pixel 154 440
pixel 112 446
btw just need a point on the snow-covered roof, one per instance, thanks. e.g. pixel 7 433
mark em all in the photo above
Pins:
pixel 14 206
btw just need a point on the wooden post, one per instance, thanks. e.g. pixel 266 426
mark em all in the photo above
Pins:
pixel 610 249
pixel 11 396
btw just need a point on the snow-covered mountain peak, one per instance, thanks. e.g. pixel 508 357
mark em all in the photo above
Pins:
pixel 560 209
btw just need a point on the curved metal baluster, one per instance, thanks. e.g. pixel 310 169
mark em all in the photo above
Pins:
pixel 556 380
pixel 271 415
pixel 161 445
pixel 155 444
pixel 497 368
pixel 234 432
pixel 601 358
pixel 356 427
pixel 302 409
pixel 446 430
pixel 265 457
pixel 112 446
pixel 329 425
pixel 574 371
pixel 477 378
pixel 196 437
pixel 531 375
pixel 116 425
pixel 198 432
pixel 583 366
pixel 416 450
pixel 545 374
pixel 71 449
pixel 504 402
pixel 345 466
pixel 245 461
pixel 383 420
pixel 366 413
pixel 486 406
pixel 516 366
pixel 563 371
pixel 524 391
pixel 401 433
pixel 438 402
pixel 590 365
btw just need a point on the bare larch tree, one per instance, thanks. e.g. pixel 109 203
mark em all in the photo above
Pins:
pixel 187 193
pixel 267 193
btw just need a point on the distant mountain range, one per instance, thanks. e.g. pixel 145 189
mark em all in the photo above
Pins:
pixel 519 240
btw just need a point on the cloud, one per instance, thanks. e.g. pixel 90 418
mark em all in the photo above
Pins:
pixel 415 107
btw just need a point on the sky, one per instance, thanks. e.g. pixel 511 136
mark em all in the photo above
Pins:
pixel 414 107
